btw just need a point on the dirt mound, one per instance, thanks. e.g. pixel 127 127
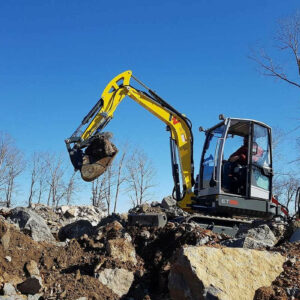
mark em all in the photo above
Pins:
pixel 287 284
pixel 70 271
pixel 94 264
pixel 66 271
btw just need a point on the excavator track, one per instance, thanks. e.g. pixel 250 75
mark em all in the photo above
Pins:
pixel 219 224
pixel 219 218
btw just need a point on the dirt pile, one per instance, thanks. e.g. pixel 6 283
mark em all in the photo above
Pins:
pixel 109 259
pixel 287 284
pixel 63 270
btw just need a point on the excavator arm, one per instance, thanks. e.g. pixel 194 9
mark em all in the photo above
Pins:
pixel 181 137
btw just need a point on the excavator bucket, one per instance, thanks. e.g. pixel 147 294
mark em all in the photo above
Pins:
pixel 98 157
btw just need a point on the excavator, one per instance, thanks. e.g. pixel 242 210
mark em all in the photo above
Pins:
pixel 230 188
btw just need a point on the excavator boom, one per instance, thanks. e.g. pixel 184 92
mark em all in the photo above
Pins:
pixel 181 137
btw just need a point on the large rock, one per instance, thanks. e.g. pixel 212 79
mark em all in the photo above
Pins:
pixel 76 230
pixel 71 212
pixel 31 285
pixel 118 280
pixel 82 212
pixel 32 223
pixel 98 157
pixel 9 290
pixel 122 250
pixel 227 274
pixel 168 202
pixel 254 238
pixel 32 268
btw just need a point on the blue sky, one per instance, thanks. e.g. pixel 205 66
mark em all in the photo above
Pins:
pixel 57 56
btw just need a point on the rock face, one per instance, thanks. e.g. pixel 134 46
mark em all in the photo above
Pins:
pixel 32 223
pixel 109 259
pixel 32 268
pixel 168 202
pixel 31 285
pixel 83 212
pixel 254 238
pixel 227 274
pixel 122 250
pixel 75 230
pixel 9 290
pixel 118 280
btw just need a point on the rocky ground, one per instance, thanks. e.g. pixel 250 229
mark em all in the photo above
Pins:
pixel 80 253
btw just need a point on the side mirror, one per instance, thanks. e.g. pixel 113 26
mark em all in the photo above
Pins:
pixel 221 117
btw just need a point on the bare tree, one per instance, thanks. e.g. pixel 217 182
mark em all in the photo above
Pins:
pixel 287 40
pixel 285 187
pixel 102 190
pixel 108 181
pixel 121 178
pixel 16 166
pixel 6 143
pixel 11 166
pixel 71 188
pixel 43 175
pixel 97 192
pixel 37 176
pixel 140 177
pixel 285 183
pixel 55 181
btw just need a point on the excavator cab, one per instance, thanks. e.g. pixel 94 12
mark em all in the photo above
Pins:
pixel 236 169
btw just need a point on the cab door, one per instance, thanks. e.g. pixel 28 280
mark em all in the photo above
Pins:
pixel 260 163
pixel 210 161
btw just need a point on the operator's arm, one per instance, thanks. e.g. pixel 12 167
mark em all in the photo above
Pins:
pixel 239 155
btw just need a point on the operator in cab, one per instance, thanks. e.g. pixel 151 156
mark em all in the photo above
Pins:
pixel 241 154
pixel 237 174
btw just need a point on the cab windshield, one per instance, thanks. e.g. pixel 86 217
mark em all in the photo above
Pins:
pixel 210 156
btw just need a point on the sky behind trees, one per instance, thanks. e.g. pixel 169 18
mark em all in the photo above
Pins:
pixel 56 57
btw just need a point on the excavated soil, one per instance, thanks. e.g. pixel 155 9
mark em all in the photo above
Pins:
pixel 66 271
pixel 286 284
pixel 69 270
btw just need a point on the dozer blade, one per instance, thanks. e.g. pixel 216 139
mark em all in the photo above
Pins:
pixel 98 157
pixel 147 219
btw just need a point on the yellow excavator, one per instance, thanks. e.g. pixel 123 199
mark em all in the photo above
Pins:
pixel 225 187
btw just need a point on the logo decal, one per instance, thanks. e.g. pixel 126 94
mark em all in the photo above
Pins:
pixel 174 120
pixel 233 202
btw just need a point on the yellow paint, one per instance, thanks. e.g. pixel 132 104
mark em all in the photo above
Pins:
pixel 114 93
